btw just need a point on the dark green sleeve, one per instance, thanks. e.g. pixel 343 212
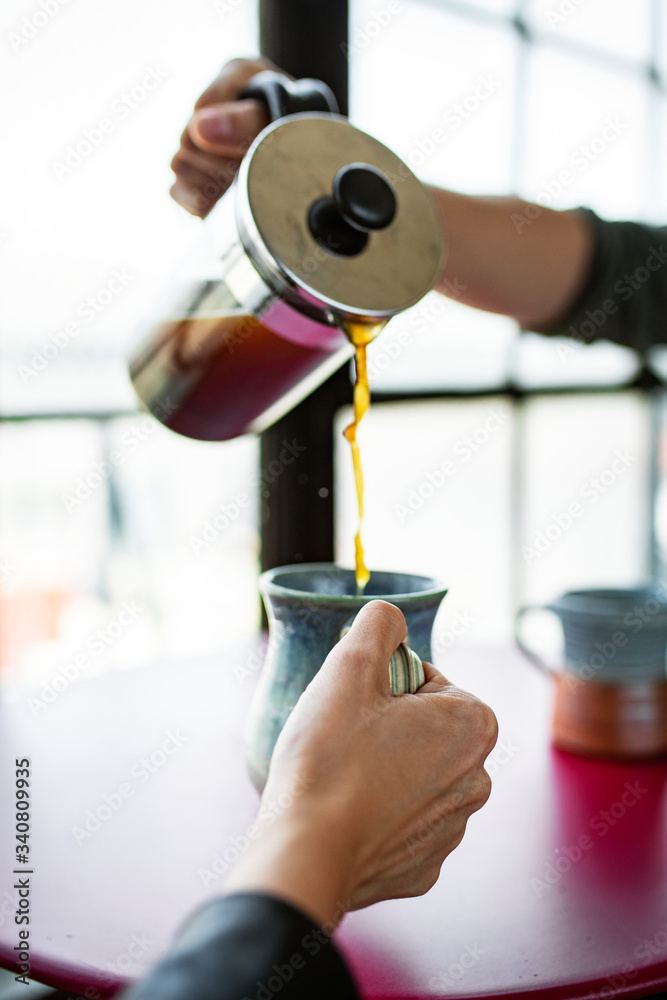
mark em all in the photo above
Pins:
pixel 248 946
pixel 624 298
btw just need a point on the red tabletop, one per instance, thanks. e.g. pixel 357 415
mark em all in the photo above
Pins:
pixel 558 890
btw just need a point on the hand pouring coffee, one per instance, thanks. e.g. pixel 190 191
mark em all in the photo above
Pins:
pixel 322 228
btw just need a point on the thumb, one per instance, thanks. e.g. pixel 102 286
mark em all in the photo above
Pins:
pixel 228 129
pixel 377 631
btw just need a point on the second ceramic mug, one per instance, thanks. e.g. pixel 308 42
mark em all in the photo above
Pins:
pixel 310 605
pixel 611 690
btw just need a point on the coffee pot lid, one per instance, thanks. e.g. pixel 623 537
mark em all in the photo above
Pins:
pixel 328 212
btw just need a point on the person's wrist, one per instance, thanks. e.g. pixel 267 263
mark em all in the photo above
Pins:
pixel 301 860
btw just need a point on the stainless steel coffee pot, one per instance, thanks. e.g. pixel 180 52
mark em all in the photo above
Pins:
pixel 323 227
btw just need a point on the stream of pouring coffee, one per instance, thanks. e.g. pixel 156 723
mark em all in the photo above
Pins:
pixel 361 335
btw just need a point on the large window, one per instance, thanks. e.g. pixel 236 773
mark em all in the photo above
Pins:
pixel 562 103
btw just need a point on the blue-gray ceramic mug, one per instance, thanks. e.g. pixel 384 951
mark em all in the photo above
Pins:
pixel 612 635
pixel 310 606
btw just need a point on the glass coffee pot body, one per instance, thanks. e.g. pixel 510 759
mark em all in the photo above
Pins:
pixel 230 355
pixel 322 227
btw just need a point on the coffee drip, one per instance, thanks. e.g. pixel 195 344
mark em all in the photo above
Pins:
pixel 361 334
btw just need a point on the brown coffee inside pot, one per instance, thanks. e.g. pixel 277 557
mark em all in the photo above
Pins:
pixel 213 378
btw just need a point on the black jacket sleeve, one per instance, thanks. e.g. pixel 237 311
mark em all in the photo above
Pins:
pixel 624 298
pixel 248 946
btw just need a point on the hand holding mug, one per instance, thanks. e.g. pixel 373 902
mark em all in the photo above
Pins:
pixel 380 787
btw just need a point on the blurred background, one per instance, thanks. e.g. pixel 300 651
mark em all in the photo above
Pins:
pixel 100 559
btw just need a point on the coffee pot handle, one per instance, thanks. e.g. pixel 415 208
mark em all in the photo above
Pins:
pixel 529 653
pixel 283 96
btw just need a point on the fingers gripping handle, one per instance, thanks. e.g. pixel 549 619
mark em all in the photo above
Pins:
pixel 283 96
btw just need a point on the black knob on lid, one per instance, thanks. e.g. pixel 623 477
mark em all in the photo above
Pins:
pixel 332 231
pixel 363 201
pixel 364 197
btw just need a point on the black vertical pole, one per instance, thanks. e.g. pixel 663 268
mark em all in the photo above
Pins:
pixel 305 38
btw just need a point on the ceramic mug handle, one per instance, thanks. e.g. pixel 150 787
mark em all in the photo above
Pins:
pixel 406 671
pixel 529 653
